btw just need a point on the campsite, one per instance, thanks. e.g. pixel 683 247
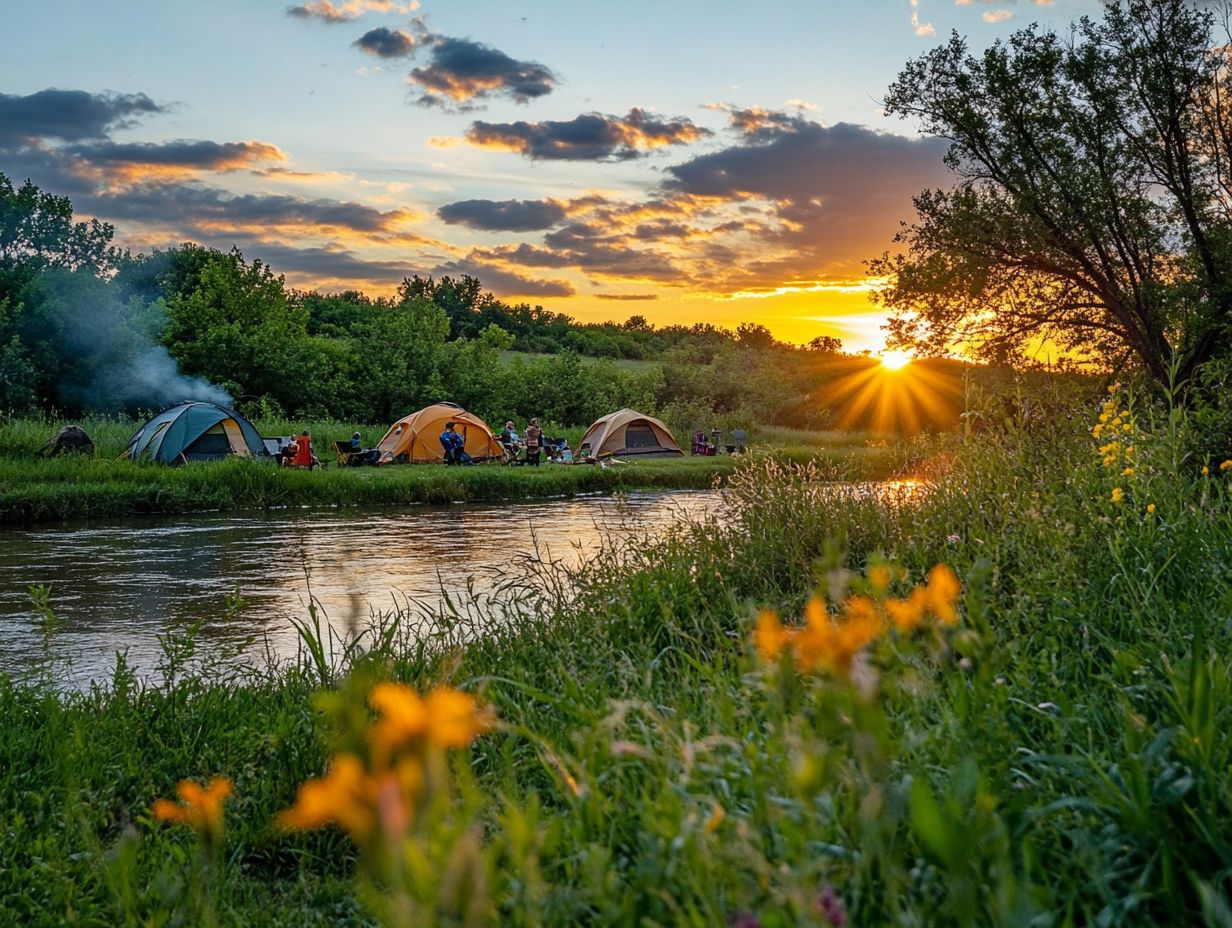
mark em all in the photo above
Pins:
pixel 466 465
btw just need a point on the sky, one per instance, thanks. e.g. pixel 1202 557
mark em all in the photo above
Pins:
pixel 683 161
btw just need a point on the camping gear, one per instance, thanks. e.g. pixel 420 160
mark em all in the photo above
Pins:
pixel 72 439
pixel 416 439
pixel 628 433
pixel 195 432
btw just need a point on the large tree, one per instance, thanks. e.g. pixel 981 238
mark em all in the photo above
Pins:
pixel 1093 204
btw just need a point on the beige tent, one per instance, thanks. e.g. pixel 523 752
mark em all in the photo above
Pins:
pixel 628 432
pixel 416 439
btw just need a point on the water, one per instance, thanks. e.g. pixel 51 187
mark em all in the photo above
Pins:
pixel 119 586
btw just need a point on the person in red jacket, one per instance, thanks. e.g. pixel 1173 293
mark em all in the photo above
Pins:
pixel 303 454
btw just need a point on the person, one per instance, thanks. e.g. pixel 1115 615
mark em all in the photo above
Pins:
pixel 454 445
pixel 510 439
pixel 738 437
pixel 534 438
pixel 583 453
pixel 289 450
pixel 716 439
pixel 303 451
pixel 356 444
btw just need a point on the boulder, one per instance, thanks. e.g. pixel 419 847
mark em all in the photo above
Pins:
pixel 72 439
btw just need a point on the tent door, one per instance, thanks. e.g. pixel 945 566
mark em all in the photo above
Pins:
pixel 235 437
pixel 641 436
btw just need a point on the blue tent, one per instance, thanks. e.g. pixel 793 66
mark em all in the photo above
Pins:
pixel 195 432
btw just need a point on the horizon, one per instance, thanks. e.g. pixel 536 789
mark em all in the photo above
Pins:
pixel 711 168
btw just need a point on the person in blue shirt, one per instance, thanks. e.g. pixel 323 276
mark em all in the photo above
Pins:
pixel 356 444
pixel 453 443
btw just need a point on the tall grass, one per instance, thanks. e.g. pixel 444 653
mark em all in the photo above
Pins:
pixel 1061 758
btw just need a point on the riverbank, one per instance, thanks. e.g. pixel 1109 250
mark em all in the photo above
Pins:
pixel 34 489
pixel 1057 754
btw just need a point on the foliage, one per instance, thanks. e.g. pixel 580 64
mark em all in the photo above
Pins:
pixel 1092 205
pixel 1057 754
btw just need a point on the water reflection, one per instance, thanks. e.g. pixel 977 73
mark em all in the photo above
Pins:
pixel 117 587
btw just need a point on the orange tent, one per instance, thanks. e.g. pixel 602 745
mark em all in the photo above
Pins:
pixel 628 432
pixel 416 439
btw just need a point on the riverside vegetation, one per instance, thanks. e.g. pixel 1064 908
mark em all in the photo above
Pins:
pixel 36 489
pixel 1007 703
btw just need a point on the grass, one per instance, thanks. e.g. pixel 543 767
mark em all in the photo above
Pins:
pixel 1060 757
pixel 35 489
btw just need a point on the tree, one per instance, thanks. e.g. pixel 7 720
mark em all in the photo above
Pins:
pixel 1093 208
pixel 826 344
pixel 37 232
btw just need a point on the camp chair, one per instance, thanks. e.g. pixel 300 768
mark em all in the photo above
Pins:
pixel 509 452
pixel 344 455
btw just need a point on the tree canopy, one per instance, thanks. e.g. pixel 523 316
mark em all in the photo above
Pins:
pixel 1093 204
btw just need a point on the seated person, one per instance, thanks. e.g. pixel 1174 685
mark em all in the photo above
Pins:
pixel 303 452
pixel 356 444
pixel 454 445
pixel 510 439
pixel 584 454
pixel 290 449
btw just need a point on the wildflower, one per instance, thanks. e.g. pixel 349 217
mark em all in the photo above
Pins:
pixel 1098 430
pixel 770 637
pixel 941 594
pixel 1205 470
pixel 1129 451
pixel 1225 466
pixel 1127 427
pixel 907 614
pixel 1150 508
pixel 831 907
pixel 953 539
pixel 447 718
pixel 200 807
pixel 824 643
pixel 1127 472
pixel 879 577
pixel 344 797
pixel 1118 495
pixel 1114 387
pixel 717 814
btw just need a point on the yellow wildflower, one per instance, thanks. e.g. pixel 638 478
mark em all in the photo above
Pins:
pixel 1114 387
pixel 447 718
pixel 1127 427
pixel 1225 465
pixel 346 796
pixel 1129 451
pixel 1205 470
pixel 879 577
pixel 454 718
pixel 941 593
pixel 1118 495
pixel 907 614
pixel 1098 430
pixel 200 807
pixel 770 637
pixel 1127 472
pixel 1150 508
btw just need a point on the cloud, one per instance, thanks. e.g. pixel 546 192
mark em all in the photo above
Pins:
pixel 386 43
pixel 505 215
pixel 134 162
pixel 589 137
pixel 626 296
pixel 502 281
pixel 996 16
pixel 70 115
pixel 922 28
pixel 348 11
pixel 461 71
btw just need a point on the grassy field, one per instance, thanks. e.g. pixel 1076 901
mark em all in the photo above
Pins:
pixel 36 489
pixel 1052 748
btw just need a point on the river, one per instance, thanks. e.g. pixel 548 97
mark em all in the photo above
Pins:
pixel 119 586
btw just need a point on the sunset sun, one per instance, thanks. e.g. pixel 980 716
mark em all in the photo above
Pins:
pixel 894 360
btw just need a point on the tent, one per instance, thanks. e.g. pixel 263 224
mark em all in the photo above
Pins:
pixel 195 432
pixel 416 439
pixel 628 432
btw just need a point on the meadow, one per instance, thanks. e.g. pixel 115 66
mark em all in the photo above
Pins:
pixel 1001 700
pixel 38 489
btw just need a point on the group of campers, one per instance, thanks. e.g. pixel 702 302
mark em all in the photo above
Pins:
pixel 443 432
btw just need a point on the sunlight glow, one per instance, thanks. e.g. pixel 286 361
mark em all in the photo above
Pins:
pixel 895 360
